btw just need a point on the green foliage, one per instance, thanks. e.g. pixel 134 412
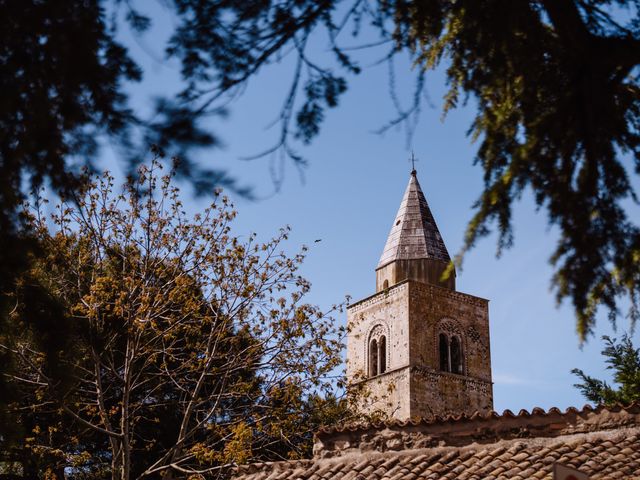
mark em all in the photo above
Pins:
pixel 187 349
pixel 624 360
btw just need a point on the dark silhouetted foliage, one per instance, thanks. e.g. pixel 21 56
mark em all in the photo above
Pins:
pixel 555 84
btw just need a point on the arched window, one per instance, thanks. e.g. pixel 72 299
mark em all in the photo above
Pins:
pixel 377 353
pixel 385 284
pixel 450 353
pixel 444 353
pixel 456 355
pixel 373 358
pixel 382 354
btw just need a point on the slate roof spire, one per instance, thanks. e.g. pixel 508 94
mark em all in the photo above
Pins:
pixel 414 234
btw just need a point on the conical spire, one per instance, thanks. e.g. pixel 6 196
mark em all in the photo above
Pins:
pixel 414 234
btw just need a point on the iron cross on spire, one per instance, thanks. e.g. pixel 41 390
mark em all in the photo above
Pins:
pixel 413 161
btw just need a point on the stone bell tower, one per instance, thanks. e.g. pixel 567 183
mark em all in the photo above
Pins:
pixel 417 347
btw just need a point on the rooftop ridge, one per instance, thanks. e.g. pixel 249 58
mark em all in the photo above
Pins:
pixel 414 233
pixel 602 442
pixel 476 429
pixel 633 407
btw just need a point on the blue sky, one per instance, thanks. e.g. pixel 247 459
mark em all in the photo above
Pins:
pixel 349 197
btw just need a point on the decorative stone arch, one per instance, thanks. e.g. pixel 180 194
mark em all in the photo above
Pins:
pixel 451 347
pixel 376 349
pixel 451 326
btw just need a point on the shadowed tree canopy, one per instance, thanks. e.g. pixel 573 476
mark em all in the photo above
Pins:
pixel 555 84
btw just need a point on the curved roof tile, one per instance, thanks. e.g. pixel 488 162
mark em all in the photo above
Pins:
pixel 603 442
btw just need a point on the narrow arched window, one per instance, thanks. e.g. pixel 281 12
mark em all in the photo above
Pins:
pixel 456 355
pixel 373 358
pixel 385 284
pixel 382 354
pixel 444 353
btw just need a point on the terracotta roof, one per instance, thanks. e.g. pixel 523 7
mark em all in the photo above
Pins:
pixel 602 442
pixel 414 233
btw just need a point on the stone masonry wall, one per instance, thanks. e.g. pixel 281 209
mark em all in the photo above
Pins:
pixel 411 315
pixel 388 392
pixel 423 270
pixel 388 309
pixel 438 393
pixel 434 310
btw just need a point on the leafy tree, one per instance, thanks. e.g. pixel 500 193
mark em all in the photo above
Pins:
pixel 554 82
pixel 624 360
pixel 64 80
pixel 190 349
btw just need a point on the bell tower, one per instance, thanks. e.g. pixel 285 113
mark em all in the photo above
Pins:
pixel 417 347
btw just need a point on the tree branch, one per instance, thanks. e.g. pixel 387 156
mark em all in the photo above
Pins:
pixel 612 52
pixel 568 23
